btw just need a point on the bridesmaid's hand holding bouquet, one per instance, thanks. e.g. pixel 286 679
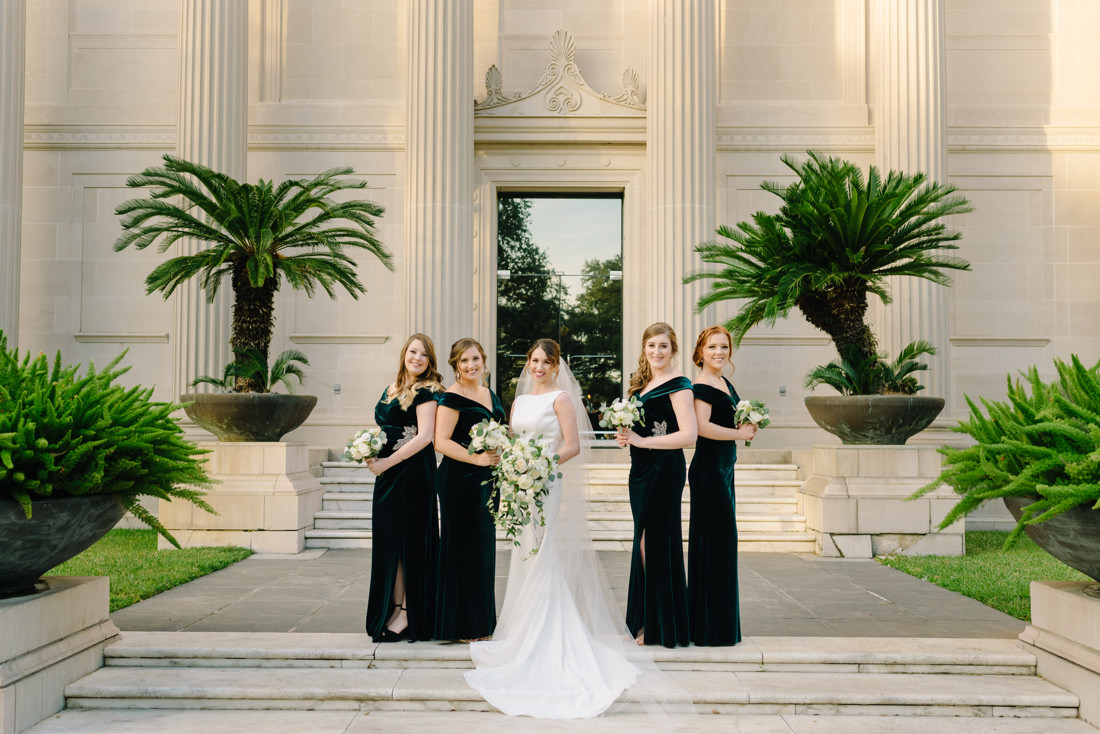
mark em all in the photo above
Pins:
pixel 622 415
pixel 754 412
pixel 366 444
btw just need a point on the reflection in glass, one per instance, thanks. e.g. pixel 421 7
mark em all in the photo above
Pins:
pixel 559 266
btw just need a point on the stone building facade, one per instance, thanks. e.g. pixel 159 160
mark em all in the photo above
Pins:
pixel 683 106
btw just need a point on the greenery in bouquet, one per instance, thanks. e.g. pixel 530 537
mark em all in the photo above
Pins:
pixel 522 479
pixel 1044 445
pixel 488 435
pixel 366 444
pixel 754 412
pixel 63 433
pixel 622 415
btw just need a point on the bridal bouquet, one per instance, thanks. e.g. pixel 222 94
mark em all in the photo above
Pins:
pixel 751 411
pixel 365 445
pixel 488 435
pixel 622 415
pixel 523 477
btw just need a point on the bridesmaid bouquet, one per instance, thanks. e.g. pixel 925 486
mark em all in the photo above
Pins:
pixel 622 415
pixel 365 445
pixel 488 435
pixel 523 476
pixel 754 412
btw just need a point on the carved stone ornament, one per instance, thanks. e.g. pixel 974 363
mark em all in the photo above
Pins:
pixel 561 90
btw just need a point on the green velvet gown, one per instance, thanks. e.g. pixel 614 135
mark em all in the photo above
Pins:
pixel 404 526
pixel 466 601
pixel 712 536
pixel 657 598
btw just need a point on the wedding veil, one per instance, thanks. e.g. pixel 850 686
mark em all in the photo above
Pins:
pixel 574 553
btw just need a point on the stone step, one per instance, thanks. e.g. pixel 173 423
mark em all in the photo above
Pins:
pixel 363 502
pixel 395 688
pixel 747 542
pixel 127 721
pixel 622 521
pixel 900 655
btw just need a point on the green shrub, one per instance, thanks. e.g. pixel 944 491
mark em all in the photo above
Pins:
pixel 66 434
pixel 1044 445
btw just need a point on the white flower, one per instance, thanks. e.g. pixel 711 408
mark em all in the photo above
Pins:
pixel 755 416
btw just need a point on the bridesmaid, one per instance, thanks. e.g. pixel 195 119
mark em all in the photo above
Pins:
pixel 404 527
pixel 712 538
pixel 466 608
pixel 657 608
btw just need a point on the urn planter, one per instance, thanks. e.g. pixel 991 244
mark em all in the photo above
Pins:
pixel 1072 537
pixel 874 419
pixel 58 529
pixel 248 416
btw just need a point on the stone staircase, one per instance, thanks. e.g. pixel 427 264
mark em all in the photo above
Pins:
pixel 858 677
pixel 767 509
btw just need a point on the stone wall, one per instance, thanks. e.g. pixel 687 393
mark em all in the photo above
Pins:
pixel 327 86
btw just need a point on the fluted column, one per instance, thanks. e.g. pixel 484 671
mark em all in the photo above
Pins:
pixel 439 169
pixel 13 26
pixel 213 131
pixel 911 135
pixel 680 152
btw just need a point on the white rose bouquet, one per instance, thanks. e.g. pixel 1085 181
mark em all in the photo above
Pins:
pixel 366 444
pixel 523 477
pixel 754 412
pixel 622 415
pixel 488 435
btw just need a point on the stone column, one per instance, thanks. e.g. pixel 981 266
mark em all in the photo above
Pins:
pixel 680 169
pixel 213 131
pixel 13 26
pixel 439 171
pixel 911 135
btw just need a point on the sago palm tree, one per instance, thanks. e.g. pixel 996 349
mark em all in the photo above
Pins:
pixel 257 235
pixel 837 237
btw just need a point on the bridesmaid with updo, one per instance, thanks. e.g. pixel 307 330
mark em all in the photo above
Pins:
pixel 657 608
pixel 404 529
pixel 466 601
pixel 712 537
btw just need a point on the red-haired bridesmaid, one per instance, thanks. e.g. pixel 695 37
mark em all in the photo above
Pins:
pixel 712 537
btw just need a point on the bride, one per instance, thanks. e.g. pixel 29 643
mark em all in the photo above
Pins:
pixel 558 650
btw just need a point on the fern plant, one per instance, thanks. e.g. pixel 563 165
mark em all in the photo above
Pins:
pixel 860 375
pixel 251 365
pixel 1045 444
pixel 63 433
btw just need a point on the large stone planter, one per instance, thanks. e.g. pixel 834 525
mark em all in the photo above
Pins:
pixel 874 419
pixel 58 529
pixel 248 416
pixel 1072 537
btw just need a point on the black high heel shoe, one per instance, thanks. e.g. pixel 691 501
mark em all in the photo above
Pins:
pixel 389 635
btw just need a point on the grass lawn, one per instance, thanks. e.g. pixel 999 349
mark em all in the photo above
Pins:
pixel 997 578
pixel 138 570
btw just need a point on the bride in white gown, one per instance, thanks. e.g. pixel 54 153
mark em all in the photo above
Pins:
pixel 559 650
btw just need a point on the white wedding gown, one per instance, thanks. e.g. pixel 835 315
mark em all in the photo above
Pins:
pixel 555 653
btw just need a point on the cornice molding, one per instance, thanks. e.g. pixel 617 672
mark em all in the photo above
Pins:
pixel 999 341
pixel 339 338
pixel 770 138
pixel 103 337
pixel 561 90
pixel 98 137
pixel 321 137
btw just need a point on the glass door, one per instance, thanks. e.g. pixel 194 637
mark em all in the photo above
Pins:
pixel 559 275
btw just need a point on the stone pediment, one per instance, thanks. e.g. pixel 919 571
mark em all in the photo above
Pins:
pixel 561 90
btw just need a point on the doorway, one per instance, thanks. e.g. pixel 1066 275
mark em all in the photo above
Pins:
pixel 559 275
